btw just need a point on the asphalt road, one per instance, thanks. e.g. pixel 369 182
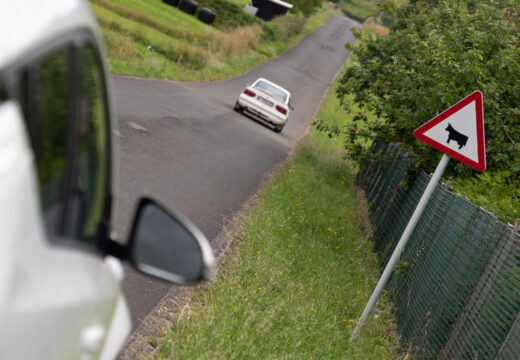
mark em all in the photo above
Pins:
pixel 183 144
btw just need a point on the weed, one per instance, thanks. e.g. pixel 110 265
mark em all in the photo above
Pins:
pixel 290 25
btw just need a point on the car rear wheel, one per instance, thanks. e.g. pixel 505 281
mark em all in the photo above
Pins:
pixel 237 107
pixel 278 129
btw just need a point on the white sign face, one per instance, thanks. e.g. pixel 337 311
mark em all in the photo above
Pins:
pixel 458 132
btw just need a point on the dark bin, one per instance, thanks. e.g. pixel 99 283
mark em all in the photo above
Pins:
pixel 172 2
pixel 188 6
pixel 206 16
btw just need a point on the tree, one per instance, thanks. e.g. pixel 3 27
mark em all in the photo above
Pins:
pixel 437 52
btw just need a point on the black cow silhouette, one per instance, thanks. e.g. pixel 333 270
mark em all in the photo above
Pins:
pixel 461 139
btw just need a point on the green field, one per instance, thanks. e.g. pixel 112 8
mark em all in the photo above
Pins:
pixel 156 40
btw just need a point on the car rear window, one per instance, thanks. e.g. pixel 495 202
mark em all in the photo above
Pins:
pixel 271 89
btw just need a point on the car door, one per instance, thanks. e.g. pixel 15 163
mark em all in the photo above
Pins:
pixel 58 296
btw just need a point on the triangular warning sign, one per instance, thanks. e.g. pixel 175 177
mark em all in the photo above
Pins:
pixel 458 132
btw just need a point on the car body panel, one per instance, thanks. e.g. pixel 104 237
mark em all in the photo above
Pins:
pixel 56 302
pixel 60 298
pixel 263 104
pixel 50 296
pixel 34 28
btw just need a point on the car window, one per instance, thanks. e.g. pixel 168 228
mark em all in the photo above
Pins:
pixel 51 113
pixel 91 162
pixel 63 101
pixel 271 89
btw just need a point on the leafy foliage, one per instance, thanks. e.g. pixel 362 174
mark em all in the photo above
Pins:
pixel 306 7
pixel 437 52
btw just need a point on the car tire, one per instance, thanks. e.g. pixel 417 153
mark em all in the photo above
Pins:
pixel 188 6
pixel 278 128
pixel 172 2
pixel 206 16
pixel 237 107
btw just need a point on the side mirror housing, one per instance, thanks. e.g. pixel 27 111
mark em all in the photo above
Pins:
pixel 166 245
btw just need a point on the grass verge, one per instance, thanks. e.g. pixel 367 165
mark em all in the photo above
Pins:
pixel 360 9
pixel 300 275
pixel 156 40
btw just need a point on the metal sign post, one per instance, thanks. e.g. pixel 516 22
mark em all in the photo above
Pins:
pixel 458 132
pixel 400 245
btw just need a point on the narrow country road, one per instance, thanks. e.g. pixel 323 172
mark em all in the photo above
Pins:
pixel 183 144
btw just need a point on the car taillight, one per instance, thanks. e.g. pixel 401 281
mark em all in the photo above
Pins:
pixel 281 109
pixel 249 92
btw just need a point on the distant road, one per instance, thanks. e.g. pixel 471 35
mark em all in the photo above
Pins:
pixel 183 144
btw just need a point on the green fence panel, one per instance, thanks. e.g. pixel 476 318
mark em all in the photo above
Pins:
pixel 458 280
pixel 511 346
pixel 420 244
pixel 412 315
pixel 456 289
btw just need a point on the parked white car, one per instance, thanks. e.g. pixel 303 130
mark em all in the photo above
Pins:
pixel 267 101
pixel 60 268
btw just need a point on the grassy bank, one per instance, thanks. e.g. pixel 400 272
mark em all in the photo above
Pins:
pixel 300 275
pixel 360 9
pixel 153 39
pixel 494 191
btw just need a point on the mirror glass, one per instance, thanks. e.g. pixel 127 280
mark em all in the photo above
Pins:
pixel 163 246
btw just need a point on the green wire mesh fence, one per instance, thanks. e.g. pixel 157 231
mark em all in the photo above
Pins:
pixel 456 289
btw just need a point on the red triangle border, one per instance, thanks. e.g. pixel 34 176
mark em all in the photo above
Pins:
pixel 477 97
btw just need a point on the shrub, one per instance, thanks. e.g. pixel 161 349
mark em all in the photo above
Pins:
pixel 270 31
pixel 435 54
pixel 305 7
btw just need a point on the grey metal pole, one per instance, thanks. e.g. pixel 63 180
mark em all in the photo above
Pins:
pixel 400 246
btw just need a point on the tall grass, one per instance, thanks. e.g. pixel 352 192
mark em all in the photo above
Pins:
pixel 153 23
pixel 170 49
pixel 238 41
pixel 290 25
pixel 186 49
pixel 360 9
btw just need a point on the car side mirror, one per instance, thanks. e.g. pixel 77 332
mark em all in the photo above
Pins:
pixel 168 246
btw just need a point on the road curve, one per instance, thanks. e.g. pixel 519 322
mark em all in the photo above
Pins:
pixel 183 144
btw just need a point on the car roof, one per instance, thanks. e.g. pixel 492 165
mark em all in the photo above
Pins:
pixel 272 83
pixel 27 25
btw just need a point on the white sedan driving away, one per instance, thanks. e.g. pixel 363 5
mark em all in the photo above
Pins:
pixel 267 101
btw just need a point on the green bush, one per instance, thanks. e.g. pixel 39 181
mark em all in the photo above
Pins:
pixel 271 32
pixel 436 54
pixel 495 192
pixel 305 7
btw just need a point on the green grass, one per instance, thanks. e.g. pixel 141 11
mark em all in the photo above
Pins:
pixel 240 2
pixel 301 274
pixel 185 48
pixel 494 192
pixel 360 9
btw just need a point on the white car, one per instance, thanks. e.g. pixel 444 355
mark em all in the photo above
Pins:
pixel 60 268
pixel 267 101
